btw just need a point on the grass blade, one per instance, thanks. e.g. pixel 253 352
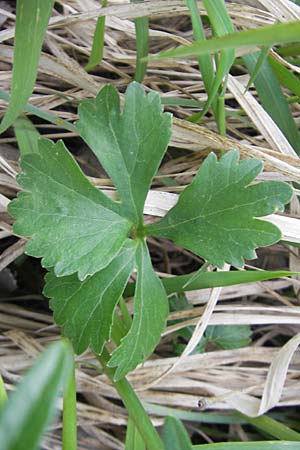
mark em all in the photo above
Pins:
pixel 214 279
pixel 260 445
pixel 32 406
pixel 134 440
pixel 174 435
pixel 267 36
pixel 142 45
pixel 285 77
pixel 98 42
pixel 31 21
pixel 261 58
pixel 69 433
pixel 3 394
pixel 204 61
pixel 272 99
pixel 27 135
pixel 273 428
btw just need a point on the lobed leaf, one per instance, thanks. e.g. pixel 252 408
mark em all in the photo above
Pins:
pixel 73 226
pixel 150 314
pixel 85 309
pixel 130 146
pixel 215 216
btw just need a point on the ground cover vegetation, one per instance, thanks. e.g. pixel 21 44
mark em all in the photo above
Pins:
pixel 179 162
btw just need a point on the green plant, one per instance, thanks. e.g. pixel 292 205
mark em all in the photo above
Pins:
pixel 91 244
pixel 30 409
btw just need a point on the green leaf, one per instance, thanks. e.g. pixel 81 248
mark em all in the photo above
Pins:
pixel 142 45
pixel 31 407
pixel 266 36
pixel 150 314
pixel 273 100
pixel 98 42
pixel 85 309
pixel 273 427
pixel 203 280
pixel 229 336
pixel 215 216
pixel 259 445
pixel 74 227
pixel 131 145
pixel 45 115
pixel 174 435
pixel 27 135
pixel 134 440
pixel 31 21
pixel 222 25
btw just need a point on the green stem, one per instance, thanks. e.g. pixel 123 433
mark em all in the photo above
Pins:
pixel 133 406
pixel 3 394
pixel 142 45
pixel 69 436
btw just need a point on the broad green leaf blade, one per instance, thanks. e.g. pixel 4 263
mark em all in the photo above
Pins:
pixel 215 216
pixel 273 100
pixel 27 136
pixel 31 25
pixel 130 146
pixel 31 407
pixel 85 309
pixel 266 36
pixel 259 445
pixel 72 225
pixel 205 280
pixel 228 337
pixel 150 314
pixel 174 435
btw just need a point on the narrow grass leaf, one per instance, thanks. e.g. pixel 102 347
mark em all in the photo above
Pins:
pixel 175 436
pixel 263 54
pixel 206 280
pixel 259 445
pixel 31 25
pixel 267 36
pixel 69 431
pixel 27 135
pixel 142 45
pixel 98 42
pixel 32 406
pixel 45 115
pixel 134 440
pixel 273 428
pixel 272 99
pixel 285 77
pixel 204 61
pixel 222 26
